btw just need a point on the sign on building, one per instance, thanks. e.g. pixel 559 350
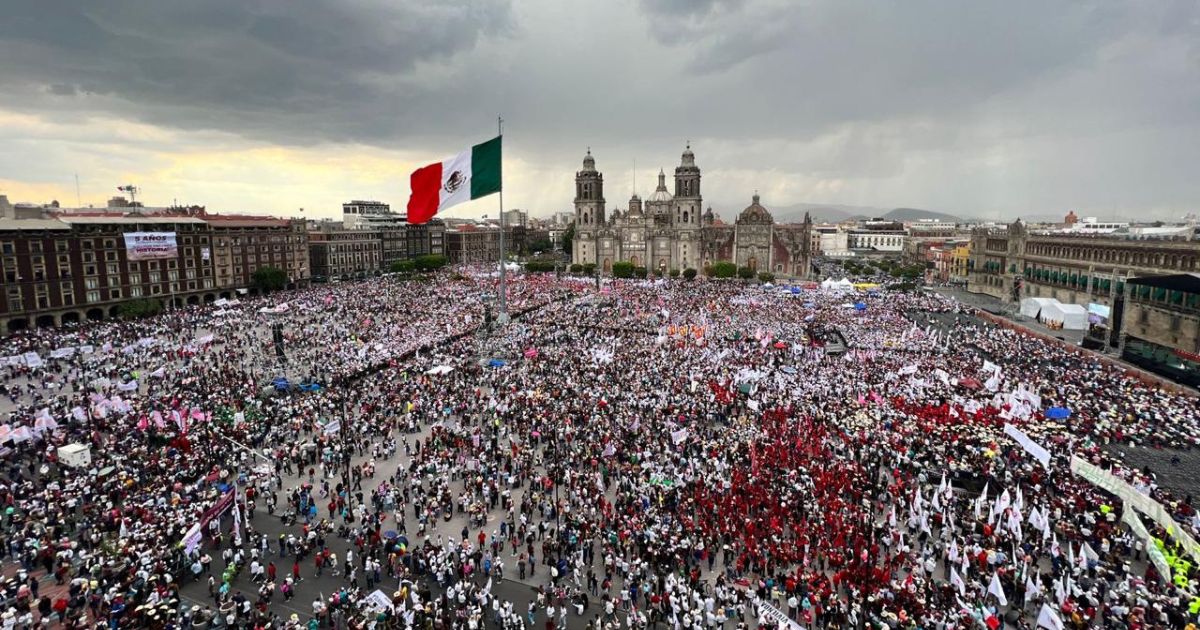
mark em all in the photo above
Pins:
pixel 150 245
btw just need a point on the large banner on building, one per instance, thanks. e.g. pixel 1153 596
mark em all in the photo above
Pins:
pixel 150 245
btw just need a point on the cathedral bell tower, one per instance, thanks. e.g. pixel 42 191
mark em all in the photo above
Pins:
pixel 688 202
pixel 589 210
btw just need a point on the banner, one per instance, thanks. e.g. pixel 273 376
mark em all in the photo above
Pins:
pixel 33 360
pixel 1131 497
pixel 150 245
pixel 1033 448
pixel 775 615
pixel 191 540
pixel 1138 528
pixel 219 508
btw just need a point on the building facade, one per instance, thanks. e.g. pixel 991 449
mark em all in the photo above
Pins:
pixel 74 267
pixel 471 245
pixel 1011 263
pixel 369 215
pixel 338 253
pixel 671 231
pixel 243 244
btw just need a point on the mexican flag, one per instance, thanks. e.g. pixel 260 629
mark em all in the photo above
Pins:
pixel 472 174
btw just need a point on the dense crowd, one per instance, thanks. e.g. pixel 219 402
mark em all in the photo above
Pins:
pixel 690 454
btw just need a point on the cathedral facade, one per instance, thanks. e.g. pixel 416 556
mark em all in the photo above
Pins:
pixel 671 231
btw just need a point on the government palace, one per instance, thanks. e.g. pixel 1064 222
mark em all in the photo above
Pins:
pixel 669 231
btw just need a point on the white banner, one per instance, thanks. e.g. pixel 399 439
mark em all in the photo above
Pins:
pixel 1033 448
pixel 1144 504
pixel 150 245
pixel 774 614
pixel 33 360
pixel 1156 556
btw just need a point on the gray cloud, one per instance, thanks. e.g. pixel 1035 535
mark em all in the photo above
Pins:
pixel 959 105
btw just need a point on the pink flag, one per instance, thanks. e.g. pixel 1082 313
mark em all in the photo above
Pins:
pixel 531 353
pixel 156 416
pixel 142 423
pixel 197 414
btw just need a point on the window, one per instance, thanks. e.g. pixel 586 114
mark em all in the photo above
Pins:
pixel 35 247
pixel 113 269
pixel 7 248
pixel 61 247
pixel 155 276
pixel 135 267
pixel 135 291
pixel 114 294
pixel 88 256
pixel 173 275
pixel 91 283
pixel 93 297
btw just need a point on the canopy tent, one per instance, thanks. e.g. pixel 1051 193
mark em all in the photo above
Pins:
pixel 1030 307
pixel 1071 316
pixel 439 369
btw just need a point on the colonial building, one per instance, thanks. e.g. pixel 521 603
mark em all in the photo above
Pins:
pixel 1012 263
pixel 339 253
pixel 473 244
pixel 671 231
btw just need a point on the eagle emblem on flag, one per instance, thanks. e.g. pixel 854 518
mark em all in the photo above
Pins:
pixel 454 182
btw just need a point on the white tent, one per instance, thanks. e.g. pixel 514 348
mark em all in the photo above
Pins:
pixel 845 284
pixel 439 369
pixel 1030 307
pixel 1071 316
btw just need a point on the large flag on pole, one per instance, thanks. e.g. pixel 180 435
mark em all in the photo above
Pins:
pixel 472 174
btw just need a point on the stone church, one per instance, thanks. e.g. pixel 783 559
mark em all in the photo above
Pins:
pixel 670 231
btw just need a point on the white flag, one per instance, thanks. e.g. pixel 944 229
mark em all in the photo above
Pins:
pixel 957 581
pixel 995 589
pixel 1048 619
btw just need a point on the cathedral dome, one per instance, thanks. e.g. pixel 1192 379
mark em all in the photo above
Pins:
pixel 689 158
pixel 660 194
pixel 755 213
pixel 589 163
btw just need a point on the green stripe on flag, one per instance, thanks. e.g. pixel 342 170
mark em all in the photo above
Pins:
pixel 485 168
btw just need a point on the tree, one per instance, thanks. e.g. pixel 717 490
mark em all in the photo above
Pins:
pixel 724 269
pixel 541 245
pixel 766 276
pixel 622 269
pixel 137 309
pixel 404 266
pixel 576 268
pixel 430 262
pixel 745 273
pixel 568 238
pixel 589 269
pixel 674 273
pixel 269 279
pixel 639 272
pixel 689 274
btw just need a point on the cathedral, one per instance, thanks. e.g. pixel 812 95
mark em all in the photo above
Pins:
pixel 669 231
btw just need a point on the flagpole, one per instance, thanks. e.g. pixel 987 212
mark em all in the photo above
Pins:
pixel 503 316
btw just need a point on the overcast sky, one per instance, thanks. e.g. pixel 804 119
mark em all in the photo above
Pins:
pixel 989 108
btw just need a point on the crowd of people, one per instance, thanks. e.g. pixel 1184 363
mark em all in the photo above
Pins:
pixel 688 454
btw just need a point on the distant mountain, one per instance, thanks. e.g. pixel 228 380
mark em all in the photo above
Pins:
pixel 823 212
pixel 916 214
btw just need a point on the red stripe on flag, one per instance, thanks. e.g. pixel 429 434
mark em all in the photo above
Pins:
pixel 426 182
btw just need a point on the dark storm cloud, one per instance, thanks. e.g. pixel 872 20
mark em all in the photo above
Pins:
pixel 311 70
pixel 934 101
